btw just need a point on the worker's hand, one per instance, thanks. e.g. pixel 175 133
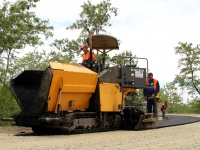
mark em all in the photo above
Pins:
pixel 153 95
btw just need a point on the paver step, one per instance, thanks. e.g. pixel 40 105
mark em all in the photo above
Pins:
pixel 150 120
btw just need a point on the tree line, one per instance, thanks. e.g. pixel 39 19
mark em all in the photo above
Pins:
pixel 20 28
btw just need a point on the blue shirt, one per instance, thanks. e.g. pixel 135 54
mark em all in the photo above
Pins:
pixel 149 90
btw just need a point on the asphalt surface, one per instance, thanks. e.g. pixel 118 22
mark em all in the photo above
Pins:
pixel 175 120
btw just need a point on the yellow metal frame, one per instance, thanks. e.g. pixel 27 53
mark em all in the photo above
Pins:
pixel 76 84
pixel 110 97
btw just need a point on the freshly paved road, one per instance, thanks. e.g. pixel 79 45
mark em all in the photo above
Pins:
pixel 174 120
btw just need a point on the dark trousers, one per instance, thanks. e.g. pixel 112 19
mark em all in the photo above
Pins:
pixel 163 114
pixel 151 106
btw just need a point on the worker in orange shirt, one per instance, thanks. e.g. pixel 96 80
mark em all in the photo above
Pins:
pixel 163 109
pixel 86 55
pixel 150 92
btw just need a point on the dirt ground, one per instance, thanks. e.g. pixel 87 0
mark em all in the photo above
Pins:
pixel 182 137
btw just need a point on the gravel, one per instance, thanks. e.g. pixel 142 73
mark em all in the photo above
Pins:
pixel 181 137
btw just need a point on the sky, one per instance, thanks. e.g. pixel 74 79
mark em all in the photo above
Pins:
pixel 149 28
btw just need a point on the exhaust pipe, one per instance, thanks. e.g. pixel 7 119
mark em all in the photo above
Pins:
pixel 50 119
pixel 8 119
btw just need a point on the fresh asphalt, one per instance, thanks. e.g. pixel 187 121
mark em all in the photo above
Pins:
pixel 175 120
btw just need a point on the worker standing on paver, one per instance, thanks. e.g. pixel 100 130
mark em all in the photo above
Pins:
pixel 150 92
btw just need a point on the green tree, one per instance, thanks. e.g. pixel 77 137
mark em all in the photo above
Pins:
pixel 93 18
pixel 19 28
pixel 172 97
pixel 35 60
pixel 163 96
pixel 39 60
pixel 169 95
pixel 124 58
pixel 189 67
pixel 194 106
pixel 69 49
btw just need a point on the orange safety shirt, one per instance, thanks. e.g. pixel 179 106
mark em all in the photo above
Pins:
pixel 154 83
pixel 151 87
pixel 164 106
pixel 86 56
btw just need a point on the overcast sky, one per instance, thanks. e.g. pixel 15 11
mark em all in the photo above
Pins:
pixel 149 28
